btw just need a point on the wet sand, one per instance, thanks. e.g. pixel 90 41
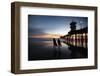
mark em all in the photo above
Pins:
pixel 45 50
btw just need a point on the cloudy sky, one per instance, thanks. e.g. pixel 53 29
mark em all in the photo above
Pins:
pixel 52 26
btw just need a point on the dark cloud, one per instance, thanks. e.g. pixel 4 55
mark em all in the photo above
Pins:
pixel 35 31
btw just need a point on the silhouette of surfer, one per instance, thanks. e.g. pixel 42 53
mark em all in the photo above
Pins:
pixel 59 42
pixel 54 42
pixel 56 48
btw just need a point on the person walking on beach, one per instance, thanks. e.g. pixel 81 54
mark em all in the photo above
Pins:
pixel 59 42
pixel 54 42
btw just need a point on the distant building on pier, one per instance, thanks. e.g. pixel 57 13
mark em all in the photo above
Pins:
pixel 76 37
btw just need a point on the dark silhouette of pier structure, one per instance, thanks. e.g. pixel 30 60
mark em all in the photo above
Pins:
pixel 76 37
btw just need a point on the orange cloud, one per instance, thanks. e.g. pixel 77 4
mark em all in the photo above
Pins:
pixel 46 36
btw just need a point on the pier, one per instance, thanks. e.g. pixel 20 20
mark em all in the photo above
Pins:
pixel 76 37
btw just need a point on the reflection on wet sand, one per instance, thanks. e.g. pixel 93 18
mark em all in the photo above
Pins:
pixel 78 50
pixel 54 49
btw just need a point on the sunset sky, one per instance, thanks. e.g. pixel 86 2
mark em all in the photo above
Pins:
pixel 52 26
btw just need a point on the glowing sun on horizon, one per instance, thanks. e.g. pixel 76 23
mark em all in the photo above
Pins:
pixel 46 36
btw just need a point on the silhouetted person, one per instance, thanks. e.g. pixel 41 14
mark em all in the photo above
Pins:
pixel 54 42
pixel 59 42
pixel 56 48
